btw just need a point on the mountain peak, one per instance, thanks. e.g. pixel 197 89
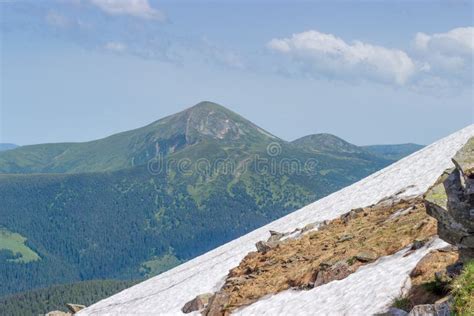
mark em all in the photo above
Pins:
pixel 208 105
pixel 211 120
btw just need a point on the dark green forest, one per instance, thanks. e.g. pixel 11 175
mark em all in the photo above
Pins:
pixel 55 297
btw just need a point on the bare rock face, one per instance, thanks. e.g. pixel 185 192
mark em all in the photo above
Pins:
pixel 440 308
pixel 58 313
pixel 393 312
pixel 216 305
pixel 264 246
pixel 451 201
pixel 196 304
pixel 75 308
pixel 366 256
pixel 338 271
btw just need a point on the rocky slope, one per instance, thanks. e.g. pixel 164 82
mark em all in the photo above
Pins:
pixel 332 252
pixel 442 283
pixel 368 289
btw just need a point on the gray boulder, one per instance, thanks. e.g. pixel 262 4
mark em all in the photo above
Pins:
pixel 451 201
pixel 74 308
pixel 196 304
pixel 440 308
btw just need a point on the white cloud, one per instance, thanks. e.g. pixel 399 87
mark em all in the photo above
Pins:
pixel 327 55
pixel 137 8
pixel 458 41
pixel 117 47
pixel 447 54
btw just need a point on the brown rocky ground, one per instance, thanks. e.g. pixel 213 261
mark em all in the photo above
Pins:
pixel 430 277
pixel 333 252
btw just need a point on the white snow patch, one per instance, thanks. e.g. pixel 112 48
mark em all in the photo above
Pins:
pixel 166 293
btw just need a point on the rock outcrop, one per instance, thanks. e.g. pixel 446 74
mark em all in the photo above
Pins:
pixel 196 304
pixel 75 308
pixel 440 308
pixel 58 313
pixel 451 201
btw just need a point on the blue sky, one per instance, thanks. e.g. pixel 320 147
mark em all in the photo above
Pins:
pixel 369 72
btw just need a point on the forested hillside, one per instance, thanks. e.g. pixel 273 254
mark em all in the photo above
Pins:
pixel 41 301
pixel 167 193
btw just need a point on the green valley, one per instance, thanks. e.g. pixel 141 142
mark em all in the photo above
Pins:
pixel 13 248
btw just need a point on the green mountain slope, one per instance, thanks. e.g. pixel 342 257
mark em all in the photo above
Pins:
pixel 42 301
pixel 136 203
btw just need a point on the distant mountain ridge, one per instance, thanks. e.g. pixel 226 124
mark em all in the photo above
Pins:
pixel 394 152
pixel 7 146
pixel 326 143
pixel 329 143
pixel 101 210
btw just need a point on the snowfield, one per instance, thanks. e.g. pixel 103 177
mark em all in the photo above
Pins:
pixel 369 290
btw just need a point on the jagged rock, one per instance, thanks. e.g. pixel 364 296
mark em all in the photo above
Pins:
pixel 465 164
pixel 451 201
pixel 440 308
pixel 366 256
pixel 454 270
pixel 423 310
pixel 392 311
pixel 74 308
pixel 58 313
pixel 197 303
pixel 338 271
pixel 264 246
pixel 275 236
pixel 401 213
pixel 309 227
pixel 216 304
pixel 448 248
pixel 236 280
pixel 417 244
pixel 346 237
pixel 351 215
